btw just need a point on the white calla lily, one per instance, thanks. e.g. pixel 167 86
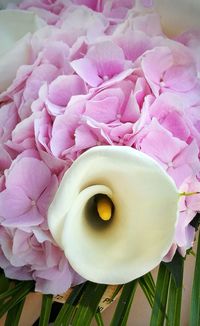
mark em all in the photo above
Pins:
pixel 16 27
pixel 140 231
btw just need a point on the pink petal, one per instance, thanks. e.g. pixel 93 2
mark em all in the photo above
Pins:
pixel 47 196
pixel 29 218
pixel 105 106
pixel 57 89
pixel 108 58
pixel 13 203
pixel 87 70
pixel 41 74
pixel 31 175
pixel 154 64
pixel 160 143
pixel 133 43
pixel 180 78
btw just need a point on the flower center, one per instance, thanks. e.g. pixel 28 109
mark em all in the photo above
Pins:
pixel 99 212
pixel 104 207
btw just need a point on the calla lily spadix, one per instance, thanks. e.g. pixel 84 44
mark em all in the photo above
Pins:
pixel 138 229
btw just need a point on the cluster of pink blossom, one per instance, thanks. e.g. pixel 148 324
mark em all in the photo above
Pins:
pixel 100 73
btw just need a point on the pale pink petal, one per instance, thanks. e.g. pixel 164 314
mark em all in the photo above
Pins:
pixel 105 106
pixel 13 203
pixel 29 218
pixel 41 74
pixel 47 196
pixel 108 59
pixel 87 70
pixel 31 175
pixel 133 43
pixel 154 64
pixel 63 87
pixel 161 144
pixel 180 78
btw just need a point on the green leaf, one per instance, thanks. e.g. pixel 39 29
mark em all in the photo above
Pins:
pixel 174 298
pixel 99 319
pixel 11 292
pixel 123 307
pixel 88 305
pixel 16 297
pixel 195 300
pixel 148 286
pixel 196 221
pixel 69 307
pixel 175 267
pixel 159 307
pixel 14 314
pixel 4 282
pixel 47 301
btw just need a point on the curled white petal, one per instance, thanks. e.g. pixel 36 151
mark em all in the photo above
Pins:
pixel 142 227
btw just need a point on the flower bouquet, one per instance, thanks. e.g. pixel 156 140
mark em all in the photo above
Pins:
pixel 100 170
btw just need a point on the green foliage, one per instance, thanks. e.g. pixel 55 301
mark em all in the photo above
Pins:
pixel 15 295
pixel 122 311
pixel 176 268
pixel 14 314
pixel 148 286
pixel 196 221
pixel 46 310
pixel 195 300
pixel 158 314
pixel 88 304
pixel 175 296
pixel 69 307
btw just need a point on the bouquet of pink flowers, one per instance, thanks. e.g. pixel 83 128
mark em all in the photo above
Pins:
pixel 79 74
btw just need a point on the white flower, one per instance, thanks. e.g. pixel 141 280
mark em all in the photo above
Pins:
pixel 140 231
pixel 15 34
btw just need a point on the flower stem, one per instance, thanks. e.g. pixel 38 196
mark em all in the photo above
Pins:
pixel 189 193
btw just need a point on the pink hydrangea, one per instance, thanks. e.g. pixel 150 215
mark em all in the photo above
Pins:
pixel 113 79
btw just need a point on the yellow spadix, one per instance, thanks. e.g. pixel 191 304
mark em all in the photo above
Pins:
pixel 114 214
pixel 104 208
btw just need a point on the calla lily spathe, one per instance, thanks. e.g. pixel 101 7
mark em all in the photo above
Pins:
pixel 141 229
